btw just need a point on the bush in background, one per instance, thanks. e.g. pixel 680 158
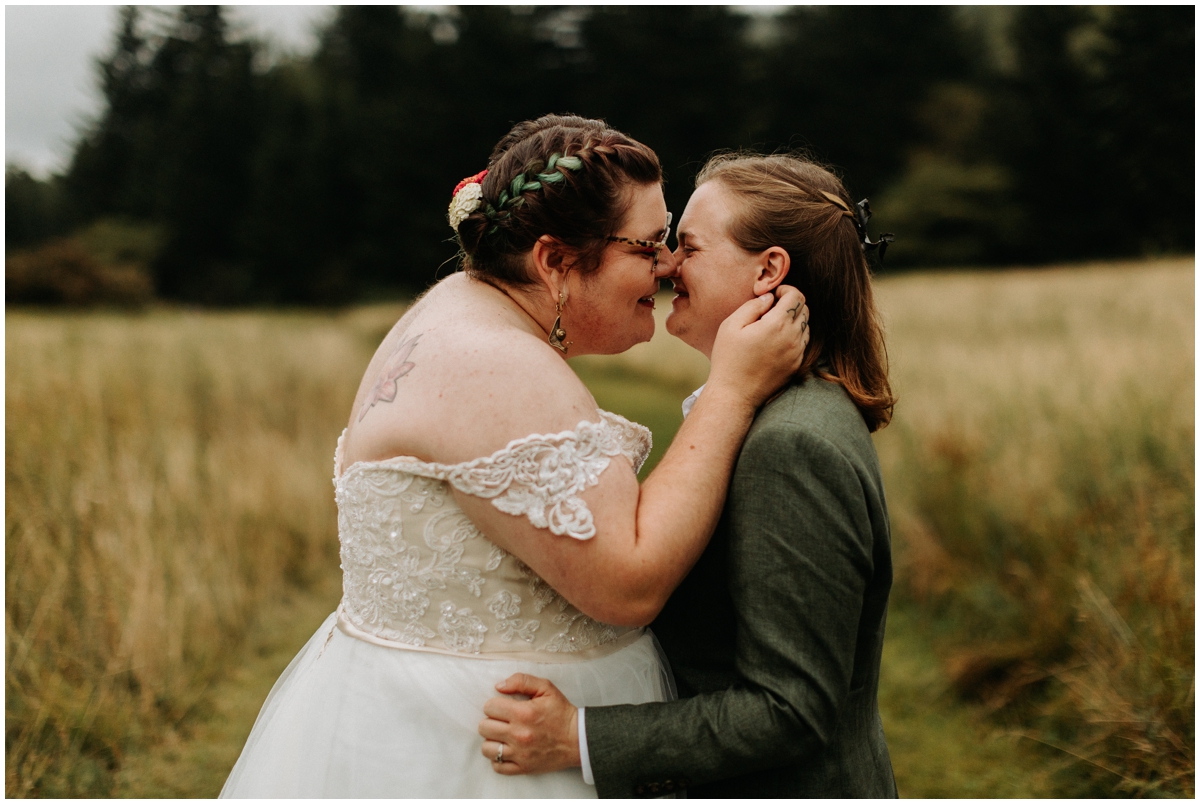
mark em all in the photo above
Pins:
pixel 106 263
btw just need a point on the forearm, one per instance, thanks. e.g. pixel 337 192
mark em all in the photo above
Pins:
pixel 680 503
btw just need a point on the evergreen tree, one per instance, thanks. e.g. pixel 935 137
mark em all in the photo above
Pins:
pixel 33 210
pixel 1048 131
pixel 173 147
pixel 1147 101
pixel 673 77
pixel 367 65
pixel 409 104
pixel 848 83
pixel 207 101
pixel 294 232
pixel 109 172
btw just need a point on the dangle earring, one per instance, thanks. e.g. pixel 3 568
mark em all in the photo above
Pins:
pixel 557 333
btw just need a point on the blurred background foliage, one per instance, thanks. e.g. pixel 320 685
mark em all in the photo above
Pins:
pixel 218 173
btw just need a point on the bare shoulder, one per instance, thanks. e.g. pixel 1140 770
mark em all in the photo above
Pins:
pixel 459 379
pixel 495 384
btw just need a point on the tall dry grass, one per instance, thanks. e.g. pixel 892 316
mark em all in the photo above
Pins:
pixel 165 475
pixel 1040 473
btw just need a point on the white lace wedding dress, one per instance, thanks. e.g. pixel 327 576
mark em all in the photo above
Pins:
pixel 385 699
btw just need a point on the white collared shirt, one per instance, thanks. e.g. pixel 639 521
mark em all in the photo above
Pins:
pixel 584 760
pixel 691 401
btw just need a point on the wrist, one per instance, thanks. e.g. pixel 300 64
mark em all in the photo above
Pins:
pixel 733 403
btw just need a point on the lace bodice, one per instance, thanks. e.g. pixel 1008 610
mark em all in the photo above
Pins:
pixel 416 570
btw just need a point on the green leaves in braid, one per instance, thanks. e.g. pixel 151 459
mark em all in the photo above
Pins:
pixel 528 181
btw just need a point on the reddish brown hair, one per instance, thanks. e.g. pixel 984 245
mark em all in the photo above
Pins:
pixel 580 211
pixel 781 202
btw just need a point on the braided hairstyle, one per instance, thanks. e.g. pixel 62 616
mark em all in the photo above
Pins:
pixel 798 205
pixel 560 175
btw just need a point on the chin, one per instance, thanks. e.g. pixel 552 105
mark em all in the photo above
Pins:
pixel 637 335
pixel 629 337
pixel 675 326
pixel 642 331
pixel 675 330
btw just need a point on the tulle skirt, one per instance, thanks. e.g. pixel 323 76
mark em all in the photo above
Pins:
pixel 349 719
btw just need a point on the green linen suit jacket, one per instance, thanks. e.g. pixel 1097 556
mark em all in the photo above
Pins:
pixel 775 635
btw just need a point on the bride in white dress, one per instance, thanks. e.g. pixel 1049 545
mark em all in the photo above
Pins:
pixel 489 514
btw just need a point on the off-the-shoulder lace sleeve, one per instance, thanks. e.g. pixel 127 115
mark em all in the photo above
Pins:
pixel 542 476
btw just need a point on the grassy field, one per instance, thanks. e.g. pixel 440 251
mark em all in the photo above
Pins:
pixel 1041 480
pixel 171 532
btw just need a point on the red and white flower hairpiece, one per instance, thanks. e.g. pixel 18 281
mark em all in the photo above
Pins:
pixel 468 194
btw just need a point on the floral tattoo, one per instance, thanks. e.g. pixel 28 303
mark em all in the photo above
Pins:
pixel 384 389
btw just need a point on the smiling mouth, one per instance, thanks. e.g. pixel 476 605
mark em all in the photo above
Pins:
pixel 647 300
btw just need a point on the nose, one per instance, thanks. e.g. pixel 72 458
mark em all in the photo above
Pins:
pixel 668 265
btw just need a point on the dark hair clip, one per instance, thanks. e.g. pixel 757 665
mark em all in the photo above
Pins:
pixel 862 214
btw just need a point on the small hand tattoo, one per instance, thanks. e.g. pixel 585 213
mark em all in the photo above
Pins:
pixel 795 311
pixel 384 389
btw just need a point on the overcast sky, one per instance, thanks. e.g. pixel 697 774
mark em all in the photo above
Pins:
pixel 49 75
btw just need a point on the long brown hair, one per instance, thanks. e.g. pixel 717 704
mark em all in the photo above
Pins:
pixel 782 201
pixel 580 211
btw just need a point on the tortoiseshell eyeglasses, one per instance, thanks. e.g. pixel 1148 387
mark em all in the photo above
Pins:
pixel 657 245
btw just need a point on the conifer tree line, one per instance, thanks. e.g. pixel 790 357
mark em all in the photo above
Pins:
pixel 982 136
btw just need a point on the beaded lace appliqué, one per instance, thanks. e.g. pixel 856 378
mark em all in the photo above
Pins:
pixel 417 571
pixel 541 476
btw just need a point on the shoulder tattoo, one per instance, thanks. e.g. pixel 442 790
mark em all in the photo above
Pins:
pixel 397 365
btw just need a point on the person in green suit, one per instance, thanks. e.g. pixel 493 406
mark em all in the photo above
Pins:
pixel 776 634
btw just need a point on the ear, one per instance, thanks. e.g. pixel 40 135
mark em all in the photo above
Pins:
pixel 772 269
pixel 550 264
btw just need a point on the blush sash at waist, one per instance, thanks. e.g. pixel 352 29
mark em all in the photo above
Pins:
pixel 545 657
